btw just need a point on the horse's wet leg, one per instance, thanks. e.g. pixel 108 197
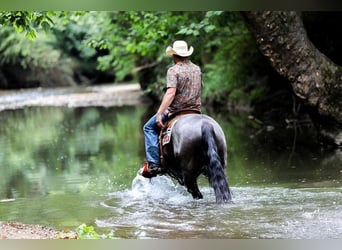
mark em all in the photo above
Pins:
pixel 192 188
pixel 198 193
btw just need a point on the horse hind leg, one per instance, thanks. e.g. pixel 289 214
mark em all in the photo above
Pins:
pixel 192 188
pixel 195 192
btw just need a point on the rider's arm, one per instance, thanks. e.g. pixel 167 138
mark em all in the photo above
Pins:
pixel 167 100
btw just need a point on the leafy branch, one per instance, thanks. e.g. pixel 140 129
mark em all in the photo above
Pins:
pixel 28 21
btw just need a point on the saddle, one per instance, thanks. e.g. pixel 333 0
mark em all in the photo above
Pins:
pixel 165 133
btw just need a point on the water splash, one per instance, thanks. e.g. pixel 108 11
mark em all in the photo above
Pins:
pixel 161 209
pixel 160 189
pixel 149 206
pixel 156 188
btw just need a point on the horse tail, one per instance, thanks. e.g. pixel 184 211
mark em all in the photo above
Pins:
pixel 215 166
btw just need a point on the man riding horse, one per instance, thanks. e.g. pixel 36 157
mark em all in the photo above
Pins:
pixel 183 95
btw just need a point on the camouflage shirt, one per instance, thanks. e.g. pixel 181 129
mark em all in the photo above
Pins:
pixel 186 77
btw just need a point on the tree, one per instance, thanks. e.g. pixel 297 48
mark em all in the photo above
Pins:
pixel 27 21
pixel 314 78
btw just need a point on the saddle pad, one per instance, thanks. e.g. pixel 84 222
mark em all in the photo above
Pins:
pixel 166 135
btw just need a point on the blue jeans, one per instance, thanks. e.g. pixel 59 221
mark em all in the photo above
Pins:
pixel 151 135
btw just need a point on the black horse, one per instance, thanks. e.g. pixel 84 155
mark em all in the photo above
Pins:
pixel 198 146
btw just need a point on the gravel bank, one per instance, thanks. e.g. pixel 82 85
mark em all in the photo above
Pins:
pixel 15 230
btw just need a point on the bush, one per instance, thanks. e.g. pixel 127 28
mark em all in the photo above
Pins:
pixel 84 232
pixel 31 63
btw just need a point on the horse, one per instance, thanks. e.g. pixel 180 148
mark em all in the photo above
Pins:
pixel 197 146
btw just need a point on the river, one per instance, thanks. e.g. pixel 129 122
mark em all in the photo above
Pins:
pixel 65 166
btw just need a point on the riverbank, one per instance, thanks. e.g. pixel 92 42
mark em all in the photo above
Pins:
pixel 106 95
pixel 15 230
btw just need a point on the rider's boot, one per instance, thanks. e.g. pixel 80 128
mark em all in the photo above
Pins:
pixel 151 170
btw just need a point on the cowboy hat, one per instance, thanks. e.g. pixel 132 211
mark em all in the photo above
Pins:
pixel 179 48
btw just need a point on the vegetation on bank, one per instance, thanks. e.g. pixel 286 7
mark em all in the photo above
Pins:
pixel 83 232
pixel 68 48
pixel 72 48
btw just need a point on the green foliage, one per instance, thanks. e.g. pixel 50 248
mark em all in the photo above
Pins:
pixel 71 31
pixel 88 232
pixel 35 60
pixel 16 49
pixel 83 232
pixel 32 63
pixel 28 21
pixel 229 56
pixel 133 39
pixel 225 50
pixel 127 41
pixel 227 74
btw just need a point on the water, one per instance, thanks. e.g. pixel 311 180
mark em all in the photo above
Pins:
pixel 63 167
pixel 161 209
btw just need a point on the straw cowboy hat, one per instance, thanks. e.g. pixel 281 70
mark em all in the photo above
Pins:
pixel 179 48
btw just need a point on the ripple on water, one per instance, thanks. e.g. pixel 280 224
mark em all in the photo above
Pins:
pixel 161 209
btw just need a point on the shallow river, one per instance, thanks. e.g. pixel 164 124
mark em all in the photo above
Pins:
pixel 63 167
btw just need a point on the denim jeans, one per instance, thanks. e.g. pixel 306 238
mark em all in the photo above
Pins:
pixel 151 135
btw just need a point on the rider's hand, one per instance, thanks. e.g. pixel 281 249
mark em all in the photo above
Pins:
pixel 160 121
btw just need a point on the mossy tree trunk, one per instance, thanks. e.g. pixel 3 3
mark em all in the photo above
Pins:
pixel 315 79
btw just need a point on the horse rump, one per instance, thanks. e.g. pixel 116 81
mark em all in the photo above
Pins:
pixel 214 165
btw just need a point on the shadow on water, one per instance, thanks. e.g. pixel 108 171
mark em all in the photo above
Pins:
pixel 63 167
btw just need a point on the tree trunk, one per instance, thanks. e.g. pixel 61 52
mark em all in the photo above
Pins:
pixel 315 79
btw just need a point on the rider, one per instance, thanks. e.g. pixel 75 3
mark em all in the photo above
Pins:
pixel 183 94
